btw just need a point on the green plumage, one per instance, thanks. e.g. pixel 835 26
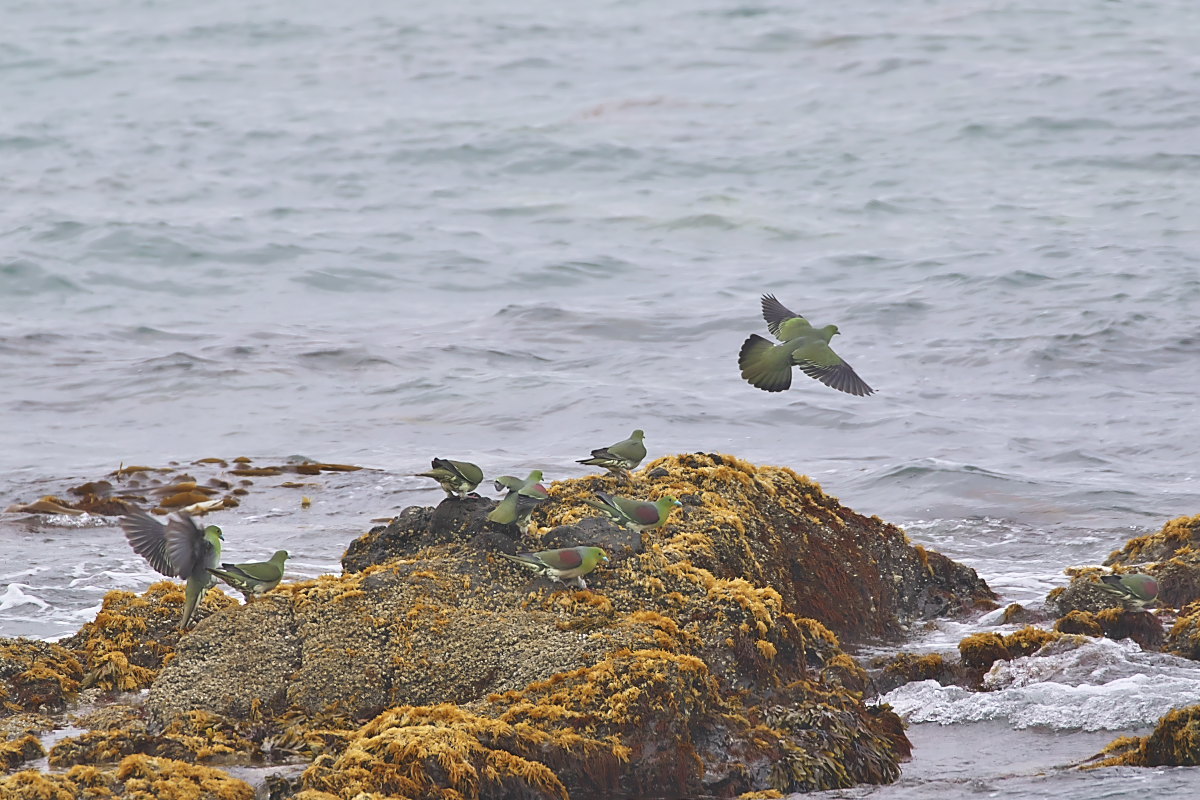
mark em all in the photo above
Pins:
pixel 636 515
pixel 566 562
pixel 256 577
pixel 457 478
pixel 621 457
pixel 769 366
pixel 179 549
pixel 1134 589
pixel 523 496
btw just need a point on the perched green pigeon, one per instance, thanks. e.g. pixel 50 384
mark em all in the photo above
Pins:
pixel 621 457
pixel 523 496
pixel 255 578
pixel 179 549
pixel 566 562
pixel 458 478
pixel 1134 588
pixel 769 367
pixel 636 515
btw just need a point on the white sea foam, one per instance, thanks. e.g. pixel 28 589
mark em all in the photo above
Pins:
pixel 1095 685
pixel 15 596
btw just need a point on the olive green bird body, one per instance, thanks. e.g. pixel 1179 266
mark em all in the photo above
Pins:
pixel 254 578
pixel 1134 589
pixel 179 549
pixel 621 457
pixel 523 496
pixel 566 562
pixel 457 478
pixel 768 366
pixel 636 515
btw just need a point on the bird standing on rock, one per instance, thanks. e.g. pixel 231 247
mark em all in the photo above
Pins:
pixel 769 367
pixel 179 549
pixel 458 478
pixel 636 515
pixel 1135 589
pixel 565 562
pixel 621 457
pixel 254 578
pixel 523 496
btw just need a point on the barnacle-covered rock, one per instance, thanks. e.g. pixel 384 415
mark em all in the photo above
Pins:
pixel 704 655
pixel 133 635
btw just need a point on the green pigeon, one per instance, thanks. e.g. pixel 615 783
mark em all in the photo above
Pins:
pixel 769 367
pixel 565 562
pixel 636 515
pixel 621 457
pixel 255 578
pixel 458 478
pixel 179 549
pixel 1135 589
pixel 523 496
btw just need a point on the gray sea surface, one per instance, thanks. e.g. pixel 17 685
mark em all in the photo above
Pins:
pixel 376 233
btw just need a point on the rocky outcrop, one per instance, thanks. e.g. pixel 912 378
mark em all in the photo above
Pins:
pixel 704 657
pixel 1174 743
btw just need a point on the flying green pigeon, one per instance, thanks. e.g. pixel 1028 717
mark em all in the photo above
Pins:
pixel 179 549
pixel 255 578
pixel 523 496
pixel 621 457
pixel 636 515
pixel 458 478
pixel 1135 589
pixel 769 367
pixel 566 562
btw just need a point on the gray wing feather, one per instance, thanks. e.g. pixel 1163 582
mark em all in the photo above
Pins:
pixel 185 544
pixel 147 537
pixel 839 376
pixel 775 313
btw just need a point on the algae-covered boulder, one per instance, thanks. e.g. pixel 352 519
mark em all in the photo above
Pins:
pixel 136 777
pixel 1172 556
pixel 1175 742
pixel 37 676
pixel 700 658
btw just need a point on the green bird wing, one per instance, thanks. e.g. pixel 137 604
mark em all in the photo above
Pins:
pixel 782 323
pixel 508 482
pixel 535 491
pixel 506 511
pixel 764 365
pixel 147 537
pixel 638 511
pixel 463 469
pixel 563 559
pixel 1134 584
pixel 817 360
pixel 258 572
pixel 632 449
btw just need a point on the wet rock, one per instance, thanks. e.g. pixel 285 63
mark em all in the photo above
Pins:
pixel 15 751
pixel 415 528
pixel 698 657
pixel 891 672
pixel 1177 534
pixel 1184 637
pixel 137 777
pixel 1079 622
pixel 37 676
pixel 1175 742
